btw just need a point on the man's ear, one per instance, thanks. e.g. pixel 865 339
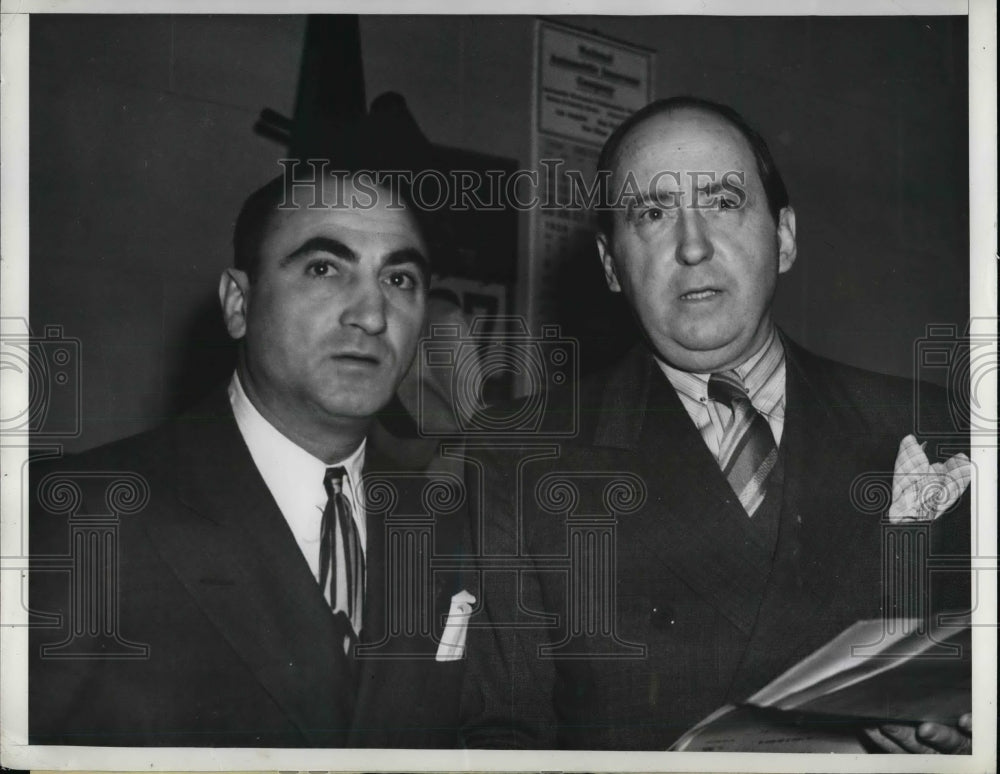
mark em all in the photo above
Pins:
pixel 608 262
pixel 234 295
pixel 787 250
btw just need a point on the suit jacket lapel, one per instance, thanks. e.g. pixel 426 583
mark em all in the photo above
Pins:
pixel 822 449
pixel 374 617
pixel 410 484
pixel 373 626
pixel 373 669
pixel 692 522
pixel 820 535
pixel 237 557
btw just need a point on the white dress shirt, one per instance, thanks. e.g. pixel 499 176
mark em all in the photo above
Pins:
pixel 295 480
pixel 764 377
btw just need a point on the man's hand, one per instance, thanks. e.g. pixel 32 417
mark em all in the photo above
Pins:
pixel 927 738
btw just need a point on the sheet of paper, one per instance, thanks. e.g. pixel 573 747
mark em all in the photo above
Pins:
pixel 744 729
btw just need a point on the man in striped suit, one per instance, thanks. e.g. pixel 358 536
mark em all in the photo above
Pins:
pixel 745 551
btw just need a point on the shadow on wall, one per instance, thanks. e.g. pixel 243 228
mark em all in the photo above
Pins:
pixel 586 310
pixel 204 359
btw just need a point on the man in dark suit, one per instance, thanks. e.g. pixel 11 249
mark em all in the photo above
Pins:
pixel 242 597
pixel 725 456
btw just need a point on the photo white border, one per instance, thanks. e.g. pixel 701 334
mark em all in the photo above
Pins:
pixel 14 268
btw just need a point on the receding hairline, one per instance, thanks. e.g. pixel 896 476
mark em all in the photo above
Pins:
pixel 665 113
pixel 609 159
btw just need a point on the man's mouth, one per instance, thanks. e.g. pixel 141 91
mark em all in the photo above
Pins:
pixel 358 358
pixel 700 294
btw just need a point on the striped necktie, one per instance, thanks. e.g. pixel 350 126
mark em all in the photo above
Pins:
pixel 748 452
pixel 346 551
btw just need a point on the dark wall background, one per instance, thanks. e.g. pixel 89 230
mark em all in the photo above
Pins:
pixel 141 155
pixel 142 151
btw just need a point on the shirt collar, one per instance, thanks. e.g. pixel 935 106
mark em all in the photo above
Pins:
pixel 757 373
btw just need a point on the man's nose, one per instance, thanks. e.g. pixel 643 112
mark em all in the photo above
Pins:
pixel 693 243
pixel 366 308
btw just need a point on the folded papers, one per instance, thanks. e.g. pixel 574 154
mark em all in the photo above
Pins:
pixel 872 673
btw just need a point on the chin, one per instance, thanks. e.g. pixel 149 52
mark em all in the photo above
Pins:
pixel 352 406
pixel 361 409
pixel 702 355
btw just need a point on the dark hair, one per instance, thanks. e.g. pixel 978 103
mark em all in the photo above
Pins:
pixel 261 205
pixel 254 215
pixel 770 176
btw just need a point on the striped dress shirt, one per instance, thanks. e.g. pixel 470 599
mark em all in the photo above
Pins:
pixel 764 376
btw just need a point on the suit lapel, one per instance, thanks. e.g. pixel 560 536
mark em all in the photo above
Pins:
pixel 410 485
pixel 237 557
pixel 373 626
pixel 820 535
pixel 395 661
pixel 692 524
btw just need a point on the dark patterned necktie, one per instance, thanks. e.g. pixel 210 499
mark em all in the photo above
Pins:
pixel 748 452
pixel 347 551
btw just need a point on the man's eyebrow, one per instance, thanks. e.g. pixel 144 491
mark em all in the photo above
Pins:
pixel 711 188
pixel 641 198
pixel 634 201
pixel 409 255
pixel 339 249
pixel 320 245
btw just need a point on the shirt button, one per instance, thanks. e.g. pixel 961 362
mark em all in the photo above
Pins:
pixel 662 617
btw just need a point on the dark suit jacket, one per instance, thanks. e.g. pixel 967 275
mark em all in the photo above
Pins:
pixel 703 613
pixel 215 631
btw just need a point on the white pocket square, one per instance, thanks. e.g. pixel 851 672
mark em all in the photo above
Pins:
pixel 452 647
